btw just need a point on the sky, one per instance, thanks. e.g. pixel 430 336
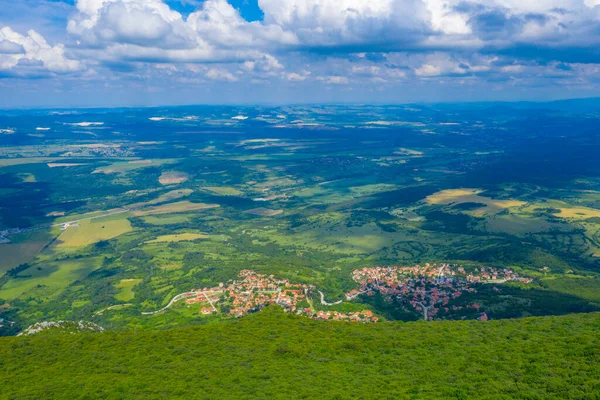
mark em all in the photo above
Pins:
pixel 87 53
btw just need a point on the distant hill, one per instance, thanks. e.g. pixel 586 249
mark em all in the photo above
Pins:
pixel 275 355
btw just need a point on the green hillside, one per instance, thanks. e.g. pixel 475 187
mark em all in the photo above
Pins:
pixel 276 355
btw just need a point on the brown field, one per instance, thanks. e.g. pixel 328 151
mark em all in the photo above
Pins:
pixel 172 177
pixel 264 212
pixel 180 206
pixel 578 213
pixel 458 196
pixel 58 165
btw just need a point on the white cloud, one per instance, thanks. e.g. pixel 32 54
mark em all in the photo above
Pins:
pixel 428 70
pixel 296 77
pixel 8 47
pixel 334 79
pixel 31 54
pixel 348 22
pixel 221 75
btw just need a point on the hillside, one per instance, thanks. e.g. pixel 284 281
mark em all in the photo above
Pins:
pixel 276 355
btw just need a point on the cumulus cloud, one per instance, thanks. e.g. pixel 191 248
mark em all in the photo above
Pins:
pixel 23 55
pixel 221 75
pixel 319 42
pixel 381 24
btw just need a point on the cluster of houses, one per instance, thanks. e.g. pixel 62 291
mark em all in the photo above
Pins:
pixel 254 291
pixel 429 289
pixel 250 293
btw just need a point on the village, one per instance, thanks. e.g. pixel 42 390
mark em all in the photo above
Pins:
pixel 429 289
pixel 253 291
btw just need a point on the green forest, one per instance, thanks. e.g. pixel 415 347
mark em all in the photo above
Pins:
pixel 274 355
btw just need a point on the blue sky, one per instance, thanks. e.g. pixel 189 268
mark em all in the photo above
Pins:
pixel 158 52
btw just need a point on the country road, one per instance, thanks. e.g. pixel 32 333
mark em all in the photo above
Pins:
pixel 326 303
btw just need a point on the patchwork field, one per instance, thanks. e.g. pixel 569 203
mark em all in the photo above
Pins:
pixel 309 197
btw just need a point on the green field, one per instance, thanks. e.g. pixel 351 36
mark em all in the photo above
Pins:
pixel 48 278
pixel 92 231
pixel 126 286
pixel 23 248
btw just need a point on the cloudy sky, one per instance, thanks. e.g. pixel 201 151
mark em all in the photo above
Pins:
pixel 159 52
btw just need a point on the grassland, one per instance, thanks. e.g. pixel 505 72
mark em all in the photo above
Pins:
pixel 177 207
pixel 264 212
pixel 10 162
pixel 578 213
pixel 223 190
pixel 92 231
pixel 164 198
pixel 178 237
pixel 461 196
pixel 167 219
pixel 49 278
pixel 23 248
pixel 125 287
pixel 124 167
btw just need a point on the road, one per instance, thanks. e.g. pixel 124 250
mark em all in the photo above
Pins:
pixel 326 303
pixel 182 296
pixel 175 299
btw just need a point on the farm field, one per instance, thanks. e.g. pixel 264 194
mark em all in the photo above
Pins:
pixel 87 232
pixel 167 207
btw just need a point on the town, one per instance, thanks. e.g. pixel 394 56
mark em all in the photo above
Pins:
pixel 429 289
pixel 426 289
pixel 253 291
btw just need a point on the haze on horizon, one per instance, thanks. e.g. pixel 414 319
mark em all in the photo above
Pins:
pixel 57 53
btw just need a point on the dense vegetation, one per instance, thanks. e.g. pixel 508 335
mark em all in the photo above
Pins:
pixel 309 194
pixel 281 356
